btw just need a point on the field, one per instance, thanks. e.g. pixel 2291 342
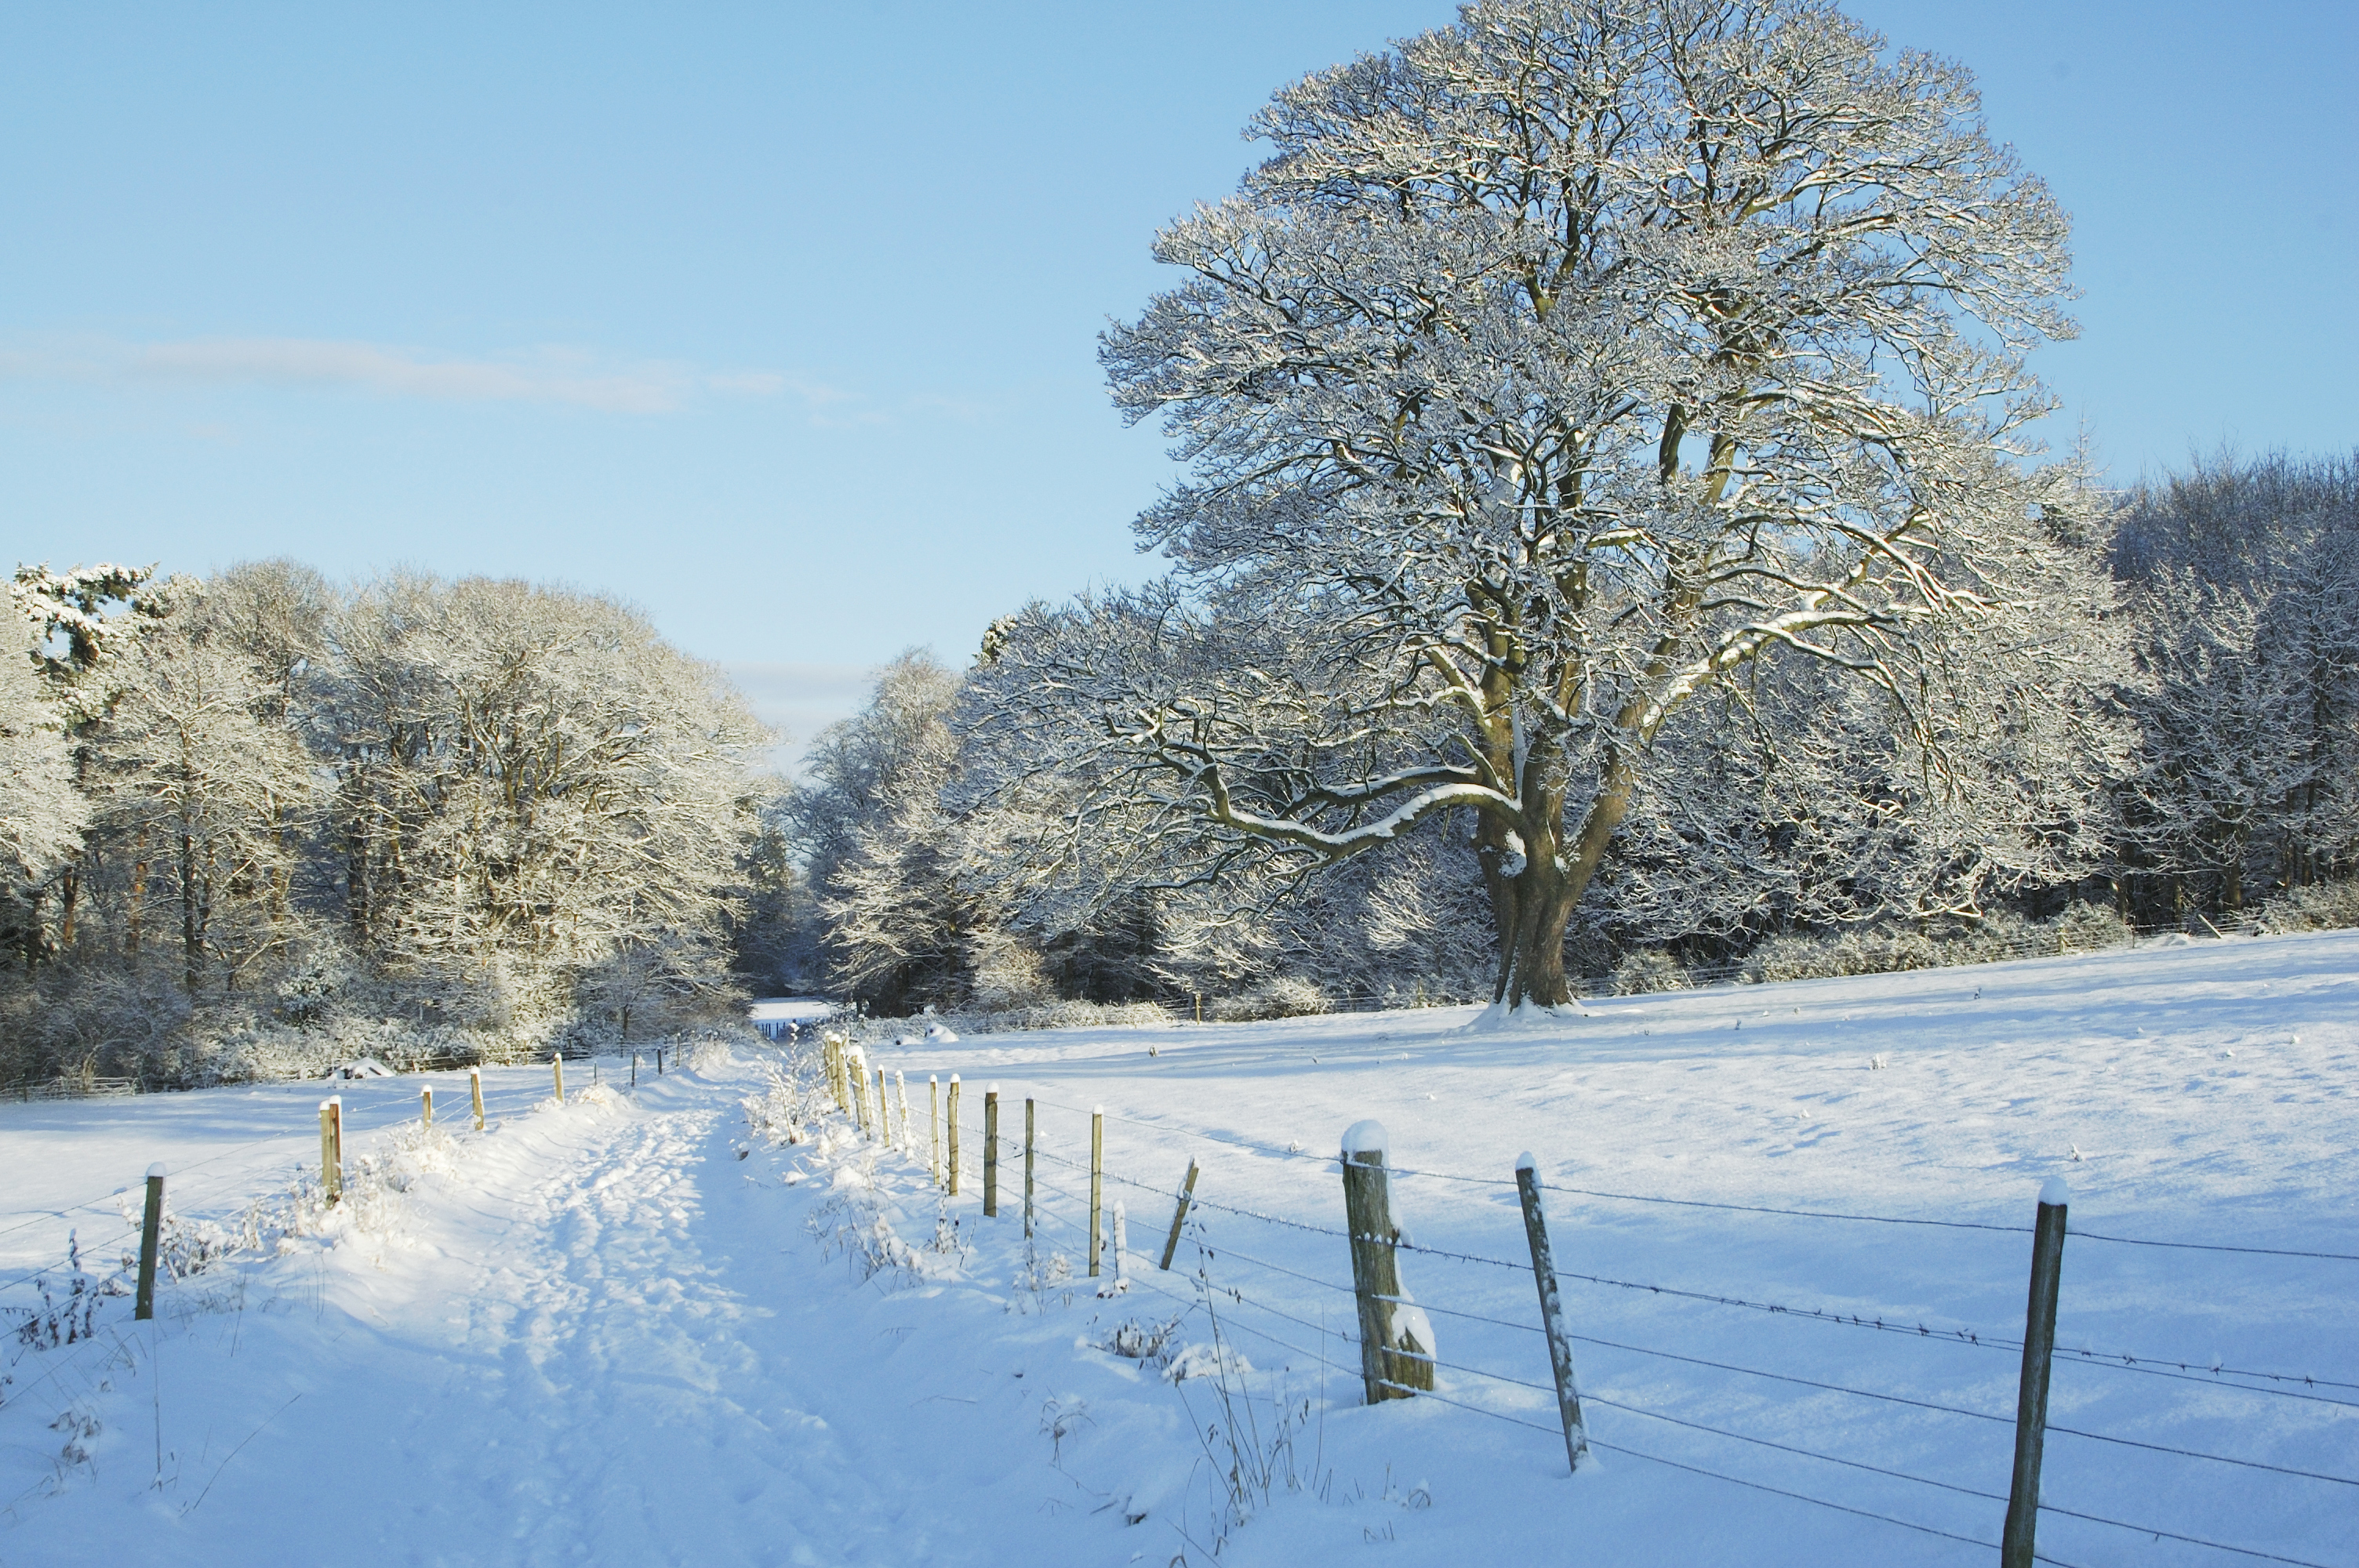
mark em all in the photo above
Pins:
pixel 637 1328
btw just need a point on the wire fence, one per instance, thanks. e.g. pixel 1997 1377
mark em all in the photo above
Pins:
pixel 1268 1293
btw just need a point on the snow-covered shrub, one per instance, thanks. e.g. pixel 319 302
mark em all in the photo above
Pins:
pixel 1284 996
pixel 2325 906
pixel 2086 927
pixel 1648 969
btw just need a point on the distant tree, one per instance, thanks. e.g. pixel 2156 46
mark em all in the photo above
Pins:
pixel 1559 366
pixel 529 784
pixel 41 814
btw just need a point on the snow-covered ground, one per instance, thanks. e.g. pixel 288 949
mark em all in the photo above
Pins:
pixel 610 1332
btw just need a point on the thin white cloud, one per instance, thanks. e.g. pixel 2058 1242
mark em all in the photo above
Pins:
pixel 547 376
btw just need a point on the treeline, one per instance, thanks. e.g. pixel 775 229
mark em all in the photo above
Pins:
pixel 2196 754
pixel 257 821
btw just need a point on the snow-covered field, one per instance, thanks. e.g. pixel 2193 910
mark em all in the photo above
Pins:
pixel 609 1332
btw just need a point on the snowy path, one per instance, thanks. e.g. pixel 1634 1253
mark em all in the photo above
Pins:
pixel 598 1333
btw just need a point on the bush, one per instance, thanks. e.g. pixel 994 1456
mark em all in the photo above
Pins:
pixel 1281 997
pixel 2327 906
pixel 1648 969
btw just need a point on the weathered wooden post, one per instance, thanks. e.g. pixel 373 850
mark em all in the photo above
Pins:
pixel 426 1105
pixel 635 1067
pixel 991 1151
pixel 557 1066
pixel 934 1123
pixel 1568 1388
pixel 1097 1182
pixel 901 1086
pixel 951 1127
pixel 2031 1398
pixel 1396 1358
pixel 1179 1216
pixel 1029 1132
pixel 884 1111
pixel 475 1087
pixel 331 1173
pixel 151 1236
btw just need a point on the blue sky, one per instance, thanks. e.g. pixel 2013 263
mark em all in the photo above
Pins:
pixel 780 322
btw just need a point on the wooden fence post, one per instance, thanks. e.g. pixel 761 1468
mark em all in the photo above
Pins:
pixel 475 1087
pixel 332 1175
pixel 884 1111
pixel 951 1128
pixel 934 1123
pixel 426 1104
pixel 1097 1182
pixel 635 1067
pixel 2031 1398
pixel 1028 1130
pixel 1568 1387
pixel 557 1066
pixel 1179 1216
pixel 901 1083
pixel 151 1234
pixel 1393 1363
pixel 991 1151
pixel 856 1076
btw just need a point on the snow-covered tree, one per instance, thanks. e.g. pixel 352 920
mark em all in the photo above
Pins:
pixel 203 790
pixel 1560 364
pixel 531 785
pixel 41 814
pixel 2246 599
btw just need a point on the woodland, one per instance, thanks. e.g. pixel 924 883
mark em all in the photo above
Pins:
pixel 1613 546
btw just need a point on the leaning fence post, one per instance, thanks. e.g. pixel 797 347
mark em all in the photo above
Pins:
pixel 901 1086
pixel 991 1151
pixel 934 1123
pixel 1097 1181
pixel 1393 1363
pixel 950 1125
pixel 1568 1388
pixel 426 1104
pixel 475 1087
pixel 2031 1399
pixel 1179 1215
pixel 151 1232
pixel 557 1066
pixel 331 1176
pixel 1029 1125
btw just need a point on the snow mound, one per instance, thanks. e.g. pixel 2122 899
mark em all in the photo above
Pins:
pixel 941 1033
pixel 360 1067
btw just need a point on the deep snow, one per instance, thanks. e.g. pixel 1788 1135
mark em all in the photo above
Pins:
pixel 606 1332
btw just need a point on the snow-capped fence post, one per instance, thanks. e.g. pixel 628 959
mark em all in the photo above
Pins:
pixel 950 1126
pixel 151 1232
pixel 332 1163
pixel 1097 1182
pixel 1568 1388
pixel 426 1105
pixel 901 1083
pixel 556 1067
pixel 1179 1216
pixel 884 1111
pixel 1029 1126
pixel 475 1088
pixel 991 1151
pixel 2031 1398
pixel 934 1123
pixel 1393 1366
